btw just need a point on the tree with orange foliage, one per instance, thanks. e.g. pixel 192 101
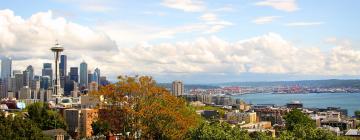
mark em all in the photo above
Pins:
pixel 137 107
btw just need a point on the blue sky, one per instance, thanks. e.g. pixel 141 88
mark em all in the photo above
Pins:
pixel 214 38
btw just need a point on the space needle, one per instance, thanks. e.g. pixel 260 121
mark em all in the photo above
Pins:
pixel 57 50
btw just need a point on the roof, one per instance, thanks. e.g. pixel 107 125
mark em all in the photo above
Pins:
pixel 353 132
pixel 54 132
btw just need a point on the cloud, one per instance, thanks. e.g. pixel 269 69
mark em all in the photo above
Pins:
pixel 265 20
pixel 304 23
pixel 226 8
pixel 215 24
pixel 185 5
pixel 28 41
pixel 209 17
pixel 283 5
pixel 95 8
pixel 269 53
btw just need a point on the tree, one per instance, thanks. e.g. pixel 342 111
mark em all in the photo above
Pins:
pixel 297 118
pixel 357 114
pixel 45 118
pixel 138 107
pixel 300 126
pixel 20 128
pixel 100 127
pixel 217 131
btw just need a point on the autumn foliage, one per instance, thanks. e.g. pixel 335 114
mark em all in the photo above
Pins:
pixel 136 107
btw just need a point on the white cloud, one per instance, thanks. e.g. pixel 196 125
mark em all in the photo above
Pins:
pixel 95 8
pixel 185 5
pixel 265 20
pixel 209 17
pixel 226 8
pixel 283 5
pixel 304 23
pixel 269 53
pixel 28 42
pixel 215 24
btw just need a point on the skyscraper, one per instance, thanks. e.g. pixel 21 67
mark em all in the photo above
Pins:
pixel 177 88
pixel 30 69
pixel 96 76
pixel 6 65
pixel 90 77
pixel 83 74
pixel 74 74
pixel 63 70
pixel 26 78
pixel 47 71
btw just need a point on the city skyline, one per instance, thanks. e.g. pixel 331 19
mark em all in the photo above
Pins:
pixel 194 41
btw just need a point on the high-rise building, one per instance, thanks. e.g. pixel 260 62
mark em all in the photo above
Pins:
pixel 45 82
pixel 96 76
pixel 83 74
pixel 3 92
pixel 6 66
pixel 30 72
pixel 177 88
pixel 74 74
pixel 90 77
pixel 30 69
pixel 25 93
pixel 19 82
pixel 47 71
pixel 63 70
pixel 16 72
pixel 26 78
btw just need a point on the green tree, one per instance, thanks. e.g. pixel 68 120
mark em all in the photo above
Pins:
pixel 260 136
pixel 300 126
pixel 20 128
pixel 45 118
pixel 357 114
pixel 297 118
pixel 218 131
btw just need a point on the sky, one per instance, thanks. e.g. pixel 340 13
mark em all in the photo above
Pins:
pixel 197 41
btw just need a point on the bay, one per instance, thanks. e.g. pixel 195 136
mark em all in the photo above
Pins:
pixel 349 101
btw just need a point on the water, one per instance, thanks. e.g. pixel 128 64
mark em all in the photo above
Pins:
pixel 349 101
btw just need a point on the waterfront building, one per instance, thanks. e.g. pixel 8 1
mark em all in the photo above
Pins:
pixel 83 74
pixel 177 88
pixel 294 104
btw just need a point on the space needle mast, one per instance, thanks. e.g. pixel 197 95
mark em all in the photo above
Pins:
pixel 57 50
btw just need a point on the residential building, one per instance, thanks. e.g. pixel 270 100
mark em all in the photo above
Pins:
pixel 177 88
